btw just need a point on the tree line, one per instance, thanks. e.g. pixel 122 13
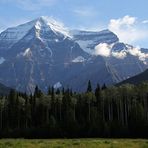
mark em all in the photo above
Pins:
pixel 61 113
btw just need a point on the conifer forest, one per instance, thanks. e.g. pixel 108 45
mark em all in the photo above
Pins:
pixel 116 111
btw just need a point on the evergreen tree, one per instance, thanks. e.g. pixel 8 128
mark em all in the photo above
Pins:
pixel 89 87
pixel 49 90
pixel 111 112
pixel 104 86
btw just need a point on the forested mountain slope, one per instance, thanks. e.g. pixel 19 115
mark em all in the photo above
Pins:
pixel 137 79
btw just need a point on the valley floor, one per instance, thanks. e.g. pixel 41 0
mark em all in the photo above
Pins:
pixel 74 143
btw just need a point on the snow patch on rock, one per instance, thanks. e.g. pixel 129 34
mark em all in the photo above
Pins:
pixel 79 59
pixel 27 52
pixel 57 85
pixel 2 60
pixel 85 45
pixel 56 40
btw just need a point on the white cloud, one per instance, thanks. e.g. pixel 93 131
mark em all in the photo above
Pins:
pixel 128 29
pixel 136 51
pixel 103 49
pixel 119 55
pixel 31 5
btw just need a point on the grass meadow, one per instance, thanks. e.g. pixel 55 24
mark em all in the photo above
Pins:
pixel 74 143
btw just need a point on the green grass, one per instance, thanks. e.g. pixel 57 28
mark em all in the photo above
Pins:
pixel 74 143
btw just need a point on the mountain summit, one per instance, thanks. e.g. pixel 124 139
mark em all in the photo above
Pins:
pixel 41 24
pixel 49 23
pixel 43 52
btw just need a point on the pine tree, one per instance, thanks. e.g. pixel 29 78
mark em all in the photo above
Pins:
pixel 89 88
pixel 49 90
pixel 104 86
pixel 37 92
pixel 98 97
pixel 58 91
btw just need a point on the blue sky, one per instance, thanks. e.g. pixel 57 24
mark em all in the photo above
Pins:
pixel 127 18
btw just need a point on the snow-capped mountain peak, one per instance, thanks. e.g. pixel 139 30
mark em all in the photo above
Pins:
pixel 14 34
pixel 50 23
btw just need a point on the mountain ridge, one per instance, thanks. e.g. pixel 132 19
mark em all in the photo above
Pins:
pixel 4 90
pixel 142 77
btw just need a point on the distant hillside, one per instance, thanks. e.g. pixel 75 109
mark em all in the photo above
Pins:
pixel 137 79
pixel 4 90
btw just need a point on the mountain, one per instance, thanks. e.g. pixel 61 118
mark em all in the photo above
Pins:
pixel 36 53
pixel 43 52
pixel 137 79
pixel 89 39
pixel 4 90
